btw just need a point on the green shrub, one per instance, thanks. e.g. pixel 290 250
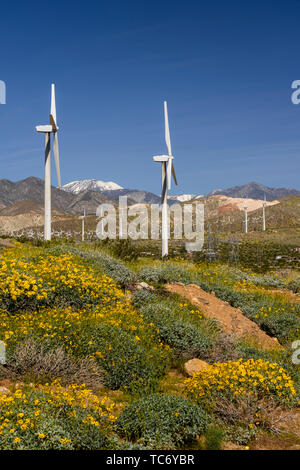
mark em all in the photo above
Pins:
pixel 54 418
pixel 214 437
pixel 128 363
pixel 281 357
pixel 184 332
pixel 265 281
pixel 162 420
pixel 100 260
pixel 184 338
pixel 150 274
pixel 165 273
pixel 142 297
pixel 240 434
pixel 294 285
pixel 125 250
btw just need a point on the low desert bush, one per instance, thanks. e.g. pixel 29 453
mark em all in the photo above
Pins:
pixel 224 348
pixel 53 417
pixel 179 325
pixel 214 437
pixel 247 415
pixel 125 250
pixel 257 379
pixel 162 420
pixel 104 262
pixel 33 361
pixel 165 272
pixel 143 297
pixel 45 279
pixel 263 281
pixel 128 362
pixel 123 345
pixel 294 285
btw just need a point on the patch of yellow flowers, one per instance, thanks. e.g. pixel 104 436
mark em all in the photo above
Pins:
pixel 79 396
pixel 25 410
pixel 43 275
pixel 234 379
pixel 267 311
pixel 65 324
pixel 246 286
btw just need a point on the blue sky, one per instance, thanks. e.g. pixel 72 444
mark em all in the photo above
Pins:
pixel 225 69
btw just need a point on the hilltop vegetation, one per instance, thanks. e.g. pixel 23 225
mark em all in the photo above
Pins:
pixel 94 362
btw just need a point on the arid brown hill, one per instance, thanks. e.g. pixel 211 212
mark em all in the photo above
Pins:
pixel 32 190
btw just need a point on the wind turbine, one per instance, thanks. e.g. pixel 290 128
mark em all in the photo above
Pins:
pixel 166 177
pixel 246 217
pixel 47 130
pixel 82 225
pixel 264 214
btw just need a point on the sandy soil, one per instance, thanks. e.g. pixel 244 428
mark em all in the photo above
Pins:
pixel 232 319
pixel 239 203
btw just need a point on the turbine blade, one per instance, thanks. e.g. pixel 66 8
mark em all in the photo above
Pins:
pixel 174 174
pixel 53 123
pixel 167 130
pixel 56 158
pixel 169 173
pixel 163 195
pixel 53 104
pixel 164 181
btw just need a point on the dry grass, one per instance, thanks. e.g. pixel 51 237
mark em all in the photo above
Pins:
pixel 32 362
pixel 223 350
pixel 253 411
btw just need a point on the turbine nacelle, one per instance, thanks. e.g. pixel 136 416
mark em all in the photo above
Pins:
pixel 45 129
pixel 162 158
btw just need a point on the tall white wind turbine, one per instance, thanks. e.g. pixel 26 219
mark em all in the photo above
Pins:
pixel 246 217
pixel 264 214
pixel 166 178
pixel 82 225
pixel 47 130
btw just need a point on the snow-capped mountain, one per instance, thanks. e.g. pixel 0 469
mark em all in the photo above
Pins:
pixel 77 187
pixel 184 197
pixel 114 190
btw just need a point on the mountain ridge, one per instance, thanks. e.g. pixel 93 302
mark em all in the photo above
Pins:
pixel 114 190
pixel 255 190
pixel 32 189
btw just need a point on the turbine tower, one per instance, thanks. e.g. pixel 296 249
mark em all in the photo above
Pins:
pixel 246 217
pixel 264 214
pixel 47 130
pixel 82 225
pixel 166 177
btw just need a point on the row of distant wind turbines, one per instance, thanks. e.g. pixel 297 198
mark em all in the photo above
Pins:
pixel 167 172
pixel 263 215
